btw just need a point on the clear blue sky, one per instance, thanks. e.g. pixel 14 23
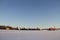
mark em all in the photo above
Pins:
pixel 30 12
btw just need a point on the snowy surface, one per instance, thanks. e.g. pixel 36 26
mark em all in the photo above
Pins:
pixel 29 35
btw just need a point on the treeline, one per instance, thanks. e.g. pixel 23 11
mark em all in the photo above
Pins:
pixel 8 28
pixel 16 28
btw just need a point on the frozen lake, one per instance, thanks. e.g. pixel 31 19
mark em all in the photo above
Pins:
pixel 29 35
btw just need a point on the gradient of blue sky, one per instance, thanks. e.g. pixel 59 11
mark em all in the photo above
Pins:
pixel 30 12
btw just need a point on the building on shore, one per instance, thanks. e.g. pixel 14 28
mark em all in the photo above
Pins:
pixel 8 28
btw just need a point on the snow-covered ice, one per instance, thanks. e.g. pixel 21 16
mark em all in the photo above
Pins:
pixel 29 35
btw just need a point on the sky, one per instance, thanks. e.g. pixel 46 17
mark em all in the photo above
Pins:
pixel 30 13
